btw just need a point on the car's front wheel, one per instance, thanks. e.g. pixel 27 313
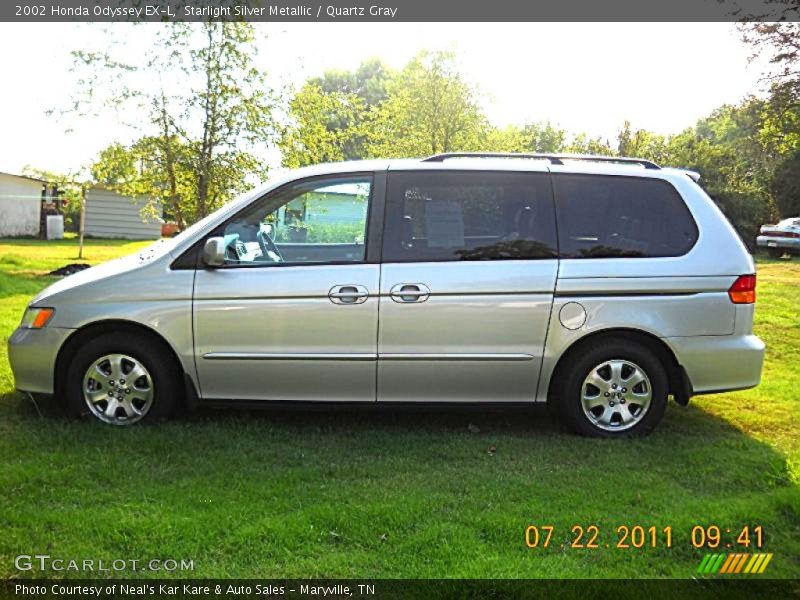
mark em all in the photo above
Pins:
pixel 615 388
pixel 121 379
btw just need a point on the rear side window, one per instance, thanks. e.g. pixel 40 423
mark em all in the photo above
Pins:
pixel 613 216
pixel 455 216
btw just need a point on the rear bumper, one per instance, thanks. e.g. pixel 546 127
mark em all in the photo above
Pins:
pixel 789 244
pixel 32 354
pixel 718 363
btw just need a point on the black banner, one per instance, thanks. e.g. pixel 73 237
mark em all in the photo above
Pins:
pixel 399 589
pixel 397 10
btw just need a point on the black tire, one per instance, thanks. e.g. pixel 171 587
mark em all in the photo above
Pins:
pixel 774 252
pixel 607 349
pixel 160 364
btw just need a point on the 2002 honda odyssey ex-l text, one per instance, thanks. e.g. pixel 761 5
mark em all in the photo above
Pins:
pixel 602 286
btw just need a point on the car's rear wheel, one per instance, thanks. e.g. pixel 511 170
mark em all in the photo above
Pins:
pixel 615 388
pixel 122 379
pixel 774 252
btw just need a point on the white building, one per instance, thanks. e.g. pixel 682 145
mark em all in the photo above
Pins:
pixel 20 205
pixel 111 215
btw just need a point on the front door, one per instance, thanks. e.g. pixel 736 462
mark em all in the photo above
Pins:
pixel 469 270
pixel 293 314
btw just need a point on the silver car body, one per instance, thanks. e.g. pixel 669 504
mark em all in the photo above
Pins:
pixel 491 331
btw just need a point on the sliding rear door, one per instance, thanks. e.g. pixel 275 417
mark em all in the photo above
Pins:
pixel 467 280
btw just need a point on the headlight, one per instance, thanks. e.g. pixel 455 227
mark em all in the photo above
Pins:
pixel 36 318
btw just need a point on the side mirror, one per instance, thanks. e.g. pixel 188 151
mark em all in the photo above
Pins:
pixel 214 252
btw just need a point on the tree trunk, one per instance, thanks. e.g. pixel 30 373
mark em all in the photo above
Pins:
pixel 82 220
pixel 202 194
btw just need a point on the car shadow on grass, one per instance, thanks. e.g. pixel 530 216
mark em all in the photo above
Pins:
pixel 288 492
pixel 684 432
pixel 513 420
pixel 690 446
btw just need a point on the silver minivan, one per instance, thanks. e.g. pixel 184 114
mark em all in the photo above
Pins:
pixel 601 286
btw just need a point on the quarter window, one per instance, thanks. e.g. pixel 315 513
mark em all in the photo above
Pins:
pixel 616 216
pixel 321 221
pixel 458 216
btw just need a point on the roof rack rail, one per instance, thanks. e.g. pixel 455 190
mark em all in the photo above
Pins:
pixel 555 159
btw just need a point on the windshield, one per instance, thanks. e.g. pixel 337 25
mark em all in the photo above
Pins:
pixel 167 245
pixel 190 231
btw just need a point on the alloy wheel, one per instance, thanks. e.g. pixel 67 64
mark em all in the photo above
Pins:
pixel 118 389
pixel 616 394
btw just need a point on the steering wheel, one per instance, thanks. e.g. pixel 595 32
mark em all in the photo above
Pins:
pixel 268 247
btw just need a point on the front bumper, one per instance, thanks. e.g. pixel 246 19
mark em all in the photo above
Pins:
pixel 789 244
pixel 719 363
pixel 32 354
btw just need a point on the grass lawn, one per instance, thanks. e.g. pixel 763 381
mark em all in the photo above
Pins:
pixel 397 494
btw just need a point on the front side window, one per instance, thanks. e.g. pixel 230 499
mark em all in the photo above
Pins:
pixel 603 216
pixel 456 216
pixel 319 221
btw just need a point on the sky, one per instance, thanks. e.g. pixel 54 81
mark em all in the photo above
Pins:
pixel 586 77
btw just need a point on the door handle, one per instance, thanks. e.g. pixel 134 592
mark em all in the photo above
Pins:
pixel 348 294
pixel 409 292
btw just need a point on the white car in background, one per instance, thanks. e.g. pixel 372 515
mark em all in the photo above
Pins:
pixel 781 238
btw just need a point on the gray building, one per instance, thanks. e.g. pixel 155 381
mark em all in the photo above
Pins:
pixel 112 215
pixel 20 205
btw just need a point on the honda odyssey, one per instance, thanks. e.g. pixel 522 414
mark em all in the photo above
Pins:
pixel 599 285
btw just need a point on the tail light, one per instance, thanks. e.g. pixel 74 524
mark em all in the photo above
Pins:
pixel 772 231
pixel 743 290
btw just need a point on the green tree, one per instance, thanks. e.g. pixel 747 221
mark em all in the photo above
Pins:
pixel 544 138
pixel 786 186
pixel 152 167
pixel 429 108
pixel 780 41
pixel 202 122
pixel 779 132
pixel 583 144
pixel 507 139
pixel 368 81
pixel 540 138
pixel 726 148
pixel 326 115
pixel 325 127
pixel 641 143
